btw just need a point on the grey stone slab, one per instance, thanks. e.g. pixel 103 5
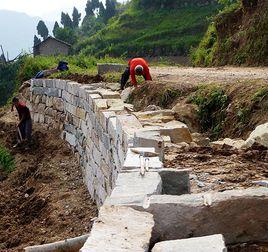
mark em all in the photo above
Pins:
pixel 120 229
pixel 240 215
pixel 110 67
pixel 130 184
pixel 175 182
pixel 212 243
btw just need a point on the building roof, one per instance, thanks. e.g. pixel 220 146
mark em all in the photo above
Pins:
pixel 50 37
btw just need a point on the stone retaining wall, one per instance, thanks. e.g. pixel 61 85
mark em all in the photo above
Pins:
pixel 86 115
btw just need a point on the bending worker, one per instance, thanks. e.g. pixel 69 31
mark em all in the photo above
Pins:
pixel 137 66
pixel 25 122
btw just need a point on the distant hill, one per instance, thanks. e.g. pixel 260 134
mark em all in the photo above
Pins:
pixel 145 29
pixel 17 31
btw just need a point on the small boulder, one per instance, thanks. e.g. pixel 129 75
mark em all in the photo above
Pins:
pixel 259 136
pixel 234 143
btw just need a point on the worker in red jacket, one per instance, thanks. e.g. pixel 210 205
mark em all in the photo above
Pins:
pixel 136 66
pixel 24 130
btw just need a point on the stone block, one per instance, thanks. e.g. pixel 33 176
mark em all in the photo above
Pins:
pixel 159 116
pixel 236 144
pixel 132 160
pixel 104 118
pixel 108 94
pixel 212 243
pixel 70 138
pixel 259 136
pixel 239 215
pixel 144 138
pixel 38 91
pixel 60 84
pixel 120 229
pixel 115 104
pixel 73 87
pixel 49 83
pixel 53 92
pixel 175 182
pixel 177 131
pixel 130 184
pixel 128 124
pixel 37 82
pixel 81 113
pixel 99 105
pixel 58 104
pixel 110 67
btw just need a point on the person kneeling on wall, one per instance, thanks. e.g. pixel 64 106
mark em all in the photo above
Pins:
pixel 136 66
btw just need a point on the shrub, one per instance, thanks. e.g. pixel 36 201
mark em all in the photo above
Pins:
pixel 6 160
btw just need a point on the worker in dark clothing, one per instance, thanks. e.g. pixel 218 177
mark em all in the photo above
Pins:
pixel 137 66
pixel 25 122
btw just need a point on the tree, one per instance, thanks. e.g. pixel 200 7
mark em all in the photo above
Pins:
pixel 66 21
pixel 66 34
pixel 36 40
pixel 76 18
pixel 110 10
pixel 42 29
pixel 56 26
pixel 91 6
pixel 101 11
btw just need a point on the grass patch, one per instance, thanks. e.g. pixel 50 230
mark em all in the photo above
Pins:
pixel 212 103
pixel 7 163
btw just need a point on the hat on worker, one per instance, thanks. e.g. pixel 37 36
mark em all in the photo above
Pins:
pixel 138 69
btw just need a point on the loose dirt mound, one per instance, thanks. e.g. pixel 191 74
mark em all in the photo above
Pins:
pixel 83 78
pixel 44 199
pixel 220 169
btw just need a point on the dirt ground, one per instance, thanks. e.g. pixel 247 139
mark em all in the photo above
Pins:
pixel 44 200
pixel 192 75
pixel 220 169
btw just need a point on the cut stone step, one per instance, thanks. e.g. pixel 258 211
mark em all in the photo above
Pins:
pixel 212 243
pixel 120 229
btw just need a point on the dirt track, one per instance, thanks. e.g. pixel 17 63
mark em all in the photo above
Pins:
pixel 208 75
pixel 44 200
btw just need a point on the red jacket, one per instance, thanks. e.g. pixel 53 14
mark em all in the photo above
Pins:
pixel 135 62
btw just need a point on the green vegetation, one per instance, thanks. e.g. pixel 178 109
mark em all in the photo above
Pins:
pixel 7 163
pixel 14 74
pixel 237 35
pixel 212 103
pixel 142 31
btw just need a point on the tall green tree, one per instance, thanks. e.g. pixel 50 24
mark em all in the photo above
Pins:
pixel 66 34
pixel 76 18
pixel 91 7
pixel 36 40
pixel 66 21
pixel 42 29
pixel 110 10
pixel 56 26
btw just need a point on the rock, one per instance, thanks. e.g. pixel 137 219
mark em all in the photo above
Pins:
pixel 259 136
pixel 131 184
pixel 152 108
pixel 200 139
pixel 237 144
pixel 231 213
pixel 261 183
pixel 110 67
pixel 212 243
pixel 126 93
pixel 177 131
pixel 155 117
pixel 187 113
pixel 120 229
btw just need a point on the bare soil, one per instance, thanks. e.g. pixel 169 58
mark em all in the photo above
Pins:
pixel 44 200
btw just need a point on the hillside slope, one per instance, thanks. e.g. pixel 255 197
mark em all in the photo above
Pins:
pixel 152 31
pixel 238 36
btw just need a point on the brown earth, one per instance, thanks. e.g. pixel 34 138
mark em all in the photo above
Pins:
pixel 220 169
pixel 44 200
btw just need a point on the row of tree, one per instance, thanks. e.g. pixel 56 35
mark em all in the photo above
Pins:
pixel 97 16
